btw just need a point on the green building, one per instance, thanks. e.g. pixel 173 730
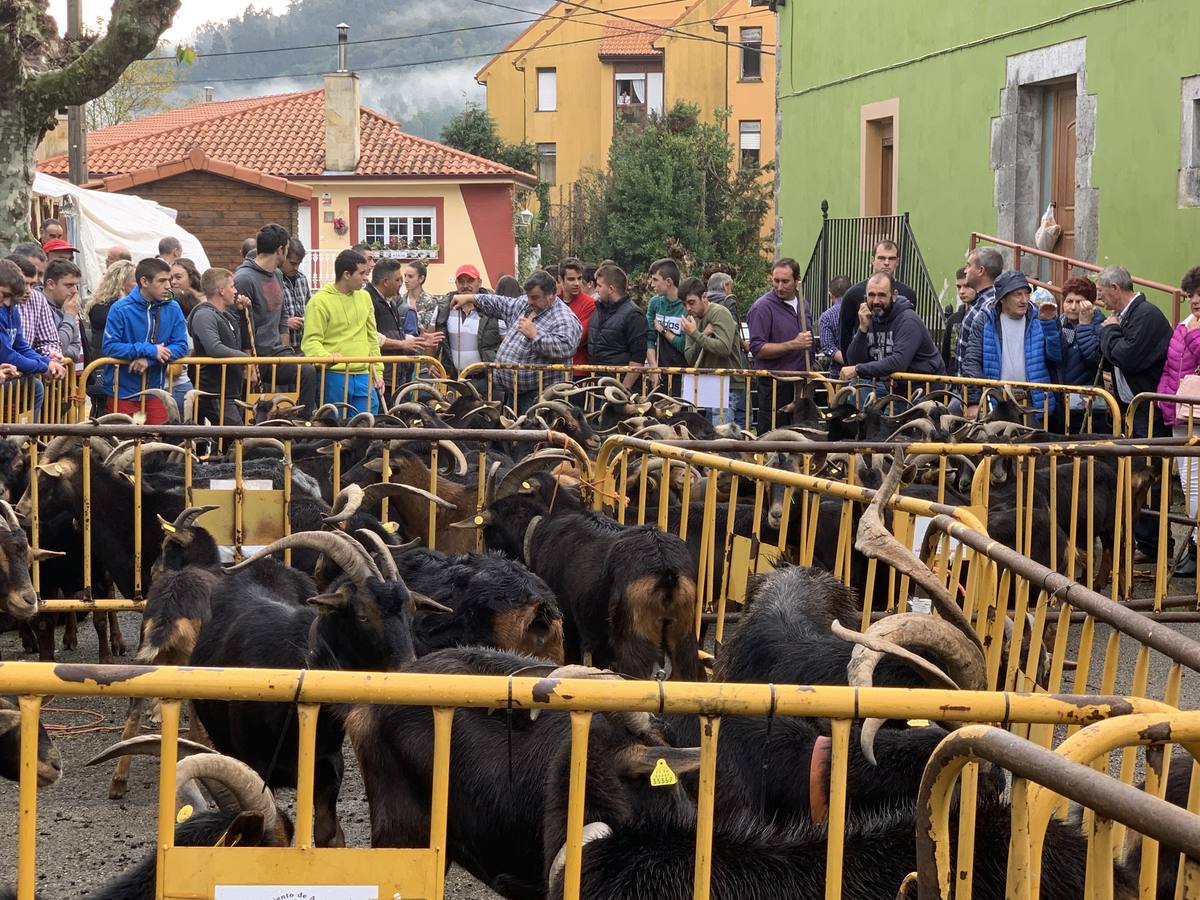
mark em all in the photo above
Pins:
pixel 974 116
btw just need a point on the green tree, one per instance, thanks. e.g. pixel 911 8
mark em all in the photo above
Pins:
pixel 673 188
pixel 41 72
pixel 147 87
pixel 474 131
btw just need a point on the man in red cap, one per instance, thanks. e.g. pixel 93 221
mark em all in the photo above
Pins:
pixel 57 248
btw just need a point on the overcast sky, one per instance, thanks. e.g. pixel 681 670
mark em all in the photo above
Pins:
pixel 192 13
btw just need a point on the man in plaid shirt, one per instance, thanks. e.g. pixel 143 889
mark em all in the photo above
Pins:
pixel 542 330
pixel 295 293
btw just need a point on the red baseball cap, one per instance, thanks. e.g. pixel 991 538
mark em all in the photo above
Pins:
pixel 466 269
pixel 58 244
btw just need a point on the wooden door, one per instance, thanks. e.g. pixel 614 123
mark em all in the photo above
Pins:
pixel 885 176
pixel 1062 176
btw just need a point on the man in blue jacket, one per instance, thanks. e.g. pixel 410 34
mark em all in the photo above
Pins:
pixel 17 358
pixel 148 329
pixel 1015 342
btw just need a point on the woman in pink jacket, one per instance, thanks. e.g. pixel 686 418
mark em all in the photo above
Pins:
pixel 1183 359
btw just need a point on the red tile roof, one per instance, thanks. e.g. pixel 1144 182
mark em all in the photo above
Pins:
pixel 281 135
pixel 629 39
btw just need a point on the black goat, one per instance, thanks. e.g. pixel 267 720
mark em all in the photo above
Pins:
pixel 507 788
pixel 49 760
pixel 628 594
pixel 365 625
pixel 497 602
pixel 752 859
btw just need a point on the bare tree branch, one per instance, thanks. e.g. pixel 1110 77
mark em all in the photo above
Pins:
pixel 133 31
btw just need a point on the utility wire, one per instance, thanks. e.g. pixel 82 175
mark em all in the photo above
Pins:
pixel 452 59
pixel 403 37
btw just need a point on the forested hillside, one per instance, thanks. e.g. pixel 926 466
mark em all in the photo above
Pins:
pixel 417 59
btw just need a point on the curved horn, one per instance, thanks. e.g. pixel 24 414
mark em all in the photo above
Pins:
pixel 168 402
pixel 274 443
pixel 543 459
pixel 114 419
pixel 117 458
pixel 10 516
pixel 783 434
pixel 416 387
pixel 924 426
pixel 246 785
pixel 188 517
pixel 373 493
pixel 345 552
pixel 612 394
pixel 460 458
pixel 361 420
pixel 146 745
pixel 345 505
pixel 374 544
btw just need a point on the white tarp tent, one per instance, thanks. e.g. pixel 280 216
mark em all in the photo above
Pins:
pixel 103 220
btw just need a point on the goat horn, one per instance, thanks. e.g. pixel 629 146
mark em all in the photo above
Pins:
pixel 344 551
pixel 168 401
pixel 924 426
pixel 114 419
pixel 374 544
pixel 146 745
pixel 188 517
pixel 361 420
pixel 460 458
pixel 10 516
pixel 345 505
pixel 616 395
pixel 117 458
pixel 246 785
pixel 543 459
pixel 58 446
pixel 876 542
pixel 373 493
pixel 783 434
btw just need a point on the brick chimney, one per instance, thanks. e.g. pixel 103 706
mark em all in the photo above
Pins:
pixel 341 112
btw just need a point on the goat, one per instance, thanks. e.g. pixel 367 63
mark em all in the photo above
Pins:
pixel 498 825
pixel 49 759
pixel 365 625
pixel 628 594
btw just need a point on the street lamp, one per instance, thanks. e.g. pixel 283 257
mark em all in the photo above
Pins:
pixel 526 217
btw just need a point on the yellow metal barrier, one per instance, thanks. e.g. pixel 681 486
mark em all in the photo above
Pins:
pixel 18 398
pixel 269 376
pixel 418 872
pixel 244 507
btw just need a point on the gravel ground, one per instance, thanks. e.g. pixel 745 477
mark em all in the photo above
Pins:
pixel 84 838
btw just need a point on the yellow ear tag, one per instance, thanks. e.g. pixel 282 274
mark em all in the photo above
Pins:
pixel 56 469
pixel 168 527
pixel 391 527
pixel 918 723
pixel 308 424
pixel 185 813
pixel 479 520
pixel 662 776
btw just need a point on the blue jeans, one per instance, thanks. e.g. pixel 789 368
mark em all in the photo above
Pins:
pixel 734 412
pixel 359 393
pixel 179 391
pixel 39 394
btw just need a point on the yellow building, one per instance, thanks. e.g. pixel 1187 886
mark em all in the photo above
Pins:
pixel 580 73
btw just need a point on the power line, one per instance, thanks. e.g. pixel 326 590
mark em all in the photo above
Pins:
pixel 452 59
pixel 402 37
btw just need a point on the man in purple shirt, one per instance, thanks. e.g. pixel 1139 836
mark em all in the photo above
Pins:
pixel 781 338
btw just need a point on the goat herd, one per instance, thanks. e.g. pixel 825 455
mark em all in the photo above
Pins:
pixel 560 590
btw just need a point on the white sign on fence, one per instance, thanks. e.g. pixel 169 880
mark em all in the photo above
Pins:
pixel 296 892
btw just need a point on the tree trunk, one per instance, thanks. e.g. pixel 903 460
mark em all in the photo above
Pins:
pixel 16 170
pixel 40 73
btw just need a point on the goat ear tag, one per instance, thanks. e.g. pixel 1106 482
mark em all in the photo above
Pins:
pixel 391 527
pixel 662 776
pixel 479 520
pixel 918 723
pixel 185 813
pixel 167 527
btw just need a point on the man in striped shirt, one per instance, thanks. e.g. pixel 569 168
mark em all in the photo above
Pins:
pixel 37 321
pixel 542 330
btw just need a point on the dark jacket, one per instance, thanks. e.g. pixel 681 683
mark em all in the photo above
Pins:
pixel 489 334
pixel 395 320
pixel 617 336
pixel 1042 350
pixel 14 349
pixel 852 300
pixel 266 293
pixel 897 342
pixel 1080 351
pixel 1137 345
pixel 217 334
pixel 950 339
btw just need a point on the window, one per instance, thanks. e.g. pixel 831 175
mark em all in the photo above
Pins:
pixel 547 90
pixel 879 158
pixel 750 144
pixel 751 41
pixel 1189 133
pixel 638 94
pixel 547 163
pixel 398 227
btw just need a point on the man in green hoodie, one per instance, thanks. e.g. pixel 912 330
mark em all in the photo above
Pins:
pixel 712 342
pixel 340 321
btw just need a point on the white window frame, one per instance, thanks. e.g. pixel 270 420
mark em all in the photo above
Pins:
pixel 746 51
pixel 745 142
pixel 406 214
pixel 553 155
pixel 652 89
pixel 547 90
